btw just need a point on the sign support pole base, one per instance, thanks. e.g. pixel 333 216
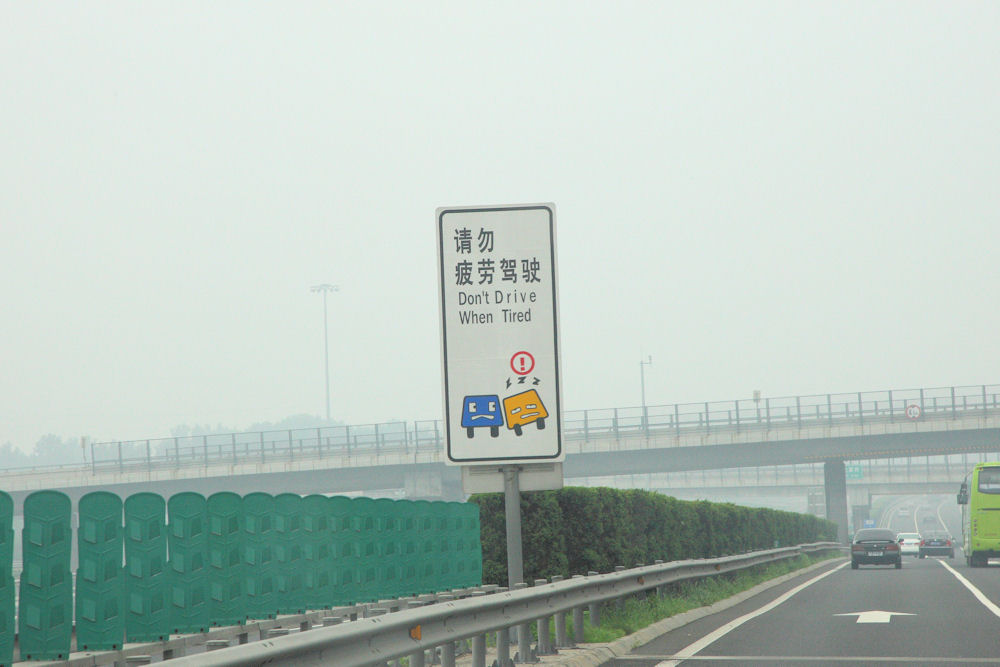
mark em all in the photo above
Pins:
pixel 512 509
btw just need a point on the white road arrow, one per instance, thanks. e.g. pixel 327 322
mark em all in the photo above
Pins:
pixel 875 616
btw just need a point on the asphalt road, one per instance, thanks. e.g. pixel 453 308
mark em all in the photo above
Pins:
pixel 941 612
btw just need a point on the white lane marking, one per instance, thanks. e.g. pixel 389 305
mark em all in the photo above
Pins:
pixel 975 591
pixel 691 649
pixel 802 659
pixel 875 616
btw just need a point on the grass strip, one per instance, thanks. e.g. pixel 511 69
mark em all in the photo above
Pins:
pixel 636 613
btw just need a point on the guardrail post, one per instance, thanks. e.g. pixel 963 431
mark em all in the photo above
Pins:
pixel 829 409
pixel 767 409
pixel 861 410
pixel 204 449
pixel 503 647
pixel 291 452
pixel 707 420
pixel 614 423
pixel 479 651
pixel 677 419
pixel 149 457
pixel 121 466
pixel 448 654
pixel 93 462
pixel 586 426
pixel 892 417
pixel 235 458
pixel 953 415
pixel 984 398
pixel 798 410
pixel 595 613
pixel 921 401
pixel 523 635
pixel 544 646
pixel 736 404
pixel 578 624
pixel 417 657
pixel 560 620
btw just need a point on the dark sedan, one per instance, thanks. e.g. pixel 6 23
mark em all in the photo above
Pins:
pixel 937 544
pixel 875 546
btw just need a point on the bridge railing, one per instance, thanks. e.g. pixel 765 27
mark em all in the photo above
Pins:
pixel 419 438
pixel 782 412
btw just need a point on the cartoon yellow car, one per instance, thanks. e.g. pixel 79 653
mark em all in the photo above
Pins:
pixel 524 408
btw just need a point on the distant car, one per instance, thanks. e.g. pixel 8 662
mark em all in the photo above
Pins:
pixel 875 546
pixel 909 544
pixel 937 544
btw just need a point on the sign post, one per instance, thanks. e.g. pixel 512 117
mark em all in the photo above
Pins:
pixel 500 353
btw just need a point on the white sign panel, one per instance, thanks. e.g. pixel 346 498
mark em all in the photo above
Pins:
pixel 500 334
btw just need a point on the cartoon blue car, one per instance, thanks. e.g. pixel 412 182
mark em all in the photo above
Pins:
pixel 480 411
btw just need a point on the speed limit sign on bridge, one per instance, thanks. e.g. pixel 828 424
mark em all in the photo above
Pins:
pixel 913 411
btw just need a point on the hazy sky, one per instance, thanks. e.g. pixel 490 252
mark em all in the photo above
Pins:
pixel 793 197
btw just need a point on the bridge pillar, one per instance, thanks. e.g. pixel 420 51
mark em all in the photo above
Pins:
pixel 835 485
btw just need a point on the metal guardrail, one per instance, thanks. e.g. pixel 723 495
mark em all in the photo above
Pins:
pixel 409 633
pixel 425 437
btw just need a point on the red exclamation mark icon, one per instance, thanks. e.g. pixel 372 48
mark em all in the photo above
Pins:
pixel 522 363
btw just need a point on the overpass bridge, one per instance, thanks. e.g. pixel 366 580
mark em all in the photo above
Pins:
pixel 826 430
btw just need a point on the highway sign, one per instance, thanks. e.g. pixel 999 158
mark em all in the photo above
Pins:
pixel 913 411
pixel 500 334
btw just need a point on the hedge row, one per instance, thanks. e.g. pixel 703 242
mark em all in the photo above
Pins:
pixel 578 529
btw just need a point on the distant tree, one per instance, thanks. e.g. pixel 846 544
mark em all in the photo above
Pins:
pixel 288 423
pixel 53 450
pixel 13 457
pixel 293 422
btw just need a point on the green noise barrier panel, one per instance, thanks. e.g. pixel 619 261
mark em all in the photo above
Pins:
pixel 146 579
pixel 443 566
pixel 409 581
pixel 474 553
pixel 316 552
pixel 387 540
pixel 191 562
pixel 424 545
pixel 45 614
pixel 227 601
pixel 7 614
pixel 365 550
pixel 187 544
pixel 342 565
pixel 100 620
pixel 258 555
pixel 288 553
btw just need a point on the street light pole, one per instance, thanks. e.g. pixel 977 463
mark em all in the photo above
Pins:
pixel 324 288
pixel 642 379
